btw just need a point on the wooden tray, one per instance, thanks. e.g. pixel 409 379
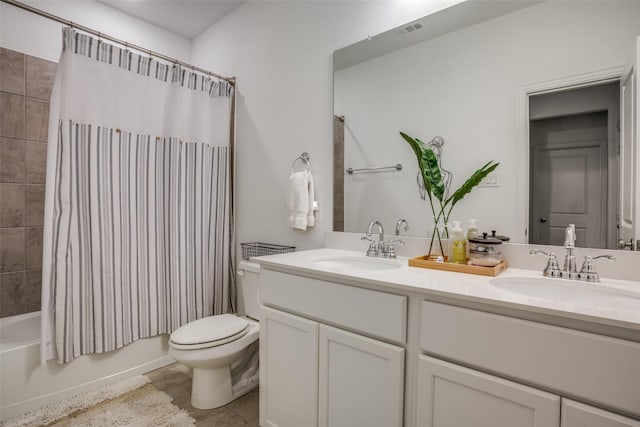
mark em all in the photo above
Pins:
pixel 423 262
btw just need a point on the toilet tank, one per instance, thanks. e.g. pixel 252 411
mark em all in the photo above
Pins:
pixel 247 286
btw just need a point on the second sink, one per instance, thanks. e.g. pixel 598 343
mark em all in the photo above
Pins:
pixel 579 293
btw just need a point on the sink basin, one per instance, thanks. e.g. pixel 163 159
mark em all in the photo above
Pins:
pixel 358 263
pixel 578 293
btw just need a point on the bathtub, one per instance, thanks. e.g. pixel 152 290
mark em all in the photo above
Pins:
pixel 19 331
pixel 25 384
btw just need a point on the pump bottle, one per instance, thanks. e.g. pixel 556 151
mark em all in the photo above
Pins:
pixel 457 244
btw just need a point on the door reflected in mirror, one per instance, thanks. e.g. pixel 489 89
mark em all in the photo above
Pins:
pixel 572 163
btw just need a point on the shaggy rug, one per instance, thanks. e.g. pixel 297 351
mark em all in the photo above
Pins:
pixel 132 402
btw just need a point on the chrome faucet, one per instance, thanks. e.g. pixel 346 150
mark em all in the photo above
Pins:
pixel 570 270
pixel 381 248
pixel 380 231
pixel 378 247
pixel 399 226
pixel 587 272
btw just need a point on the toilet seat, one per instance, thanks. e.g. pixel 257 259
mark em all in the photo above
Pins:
pixel 209 332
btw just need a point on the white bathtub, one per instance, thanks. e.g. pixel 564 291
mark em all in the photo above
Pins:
pixel 19 331
pixel 26 385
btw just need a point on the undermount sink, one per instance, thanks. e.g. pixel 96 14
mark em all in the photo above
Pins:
pixel 358 263
pixel 573 292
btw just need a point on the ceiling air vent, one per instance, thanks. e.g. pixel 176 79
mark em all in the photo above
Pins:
pixel 409 28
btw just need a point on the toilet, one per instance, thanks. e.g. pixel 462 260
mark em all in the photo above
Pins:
pixel 223 349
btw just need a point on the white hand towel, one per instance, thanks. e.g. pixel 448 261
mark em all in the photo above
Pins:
pixel 298 200
pixel 311 219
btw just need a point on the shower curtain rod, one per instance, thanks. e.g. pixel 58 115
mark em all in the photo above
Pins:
pixel 231 80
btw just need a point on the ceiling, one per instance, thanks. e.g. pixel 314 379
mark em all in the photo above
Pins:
pixel 187 18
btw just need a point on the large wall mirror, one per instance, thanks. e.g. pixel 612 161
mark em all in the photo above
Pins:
pixel 545 88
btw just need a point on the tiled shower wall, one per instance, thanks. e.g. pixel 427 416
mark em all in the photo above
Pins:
pixel 25 88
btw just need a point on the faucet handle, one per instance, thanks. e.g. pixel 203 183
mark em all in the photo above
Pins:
pixel 373 248
pixel 552 269
pixel 607 256
pixel 588 271
pixel 390 250
pixel 540 251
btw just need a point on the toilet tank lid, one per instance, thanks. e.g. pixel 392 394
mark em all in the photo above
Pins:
pixel 254 267
pixel 209 329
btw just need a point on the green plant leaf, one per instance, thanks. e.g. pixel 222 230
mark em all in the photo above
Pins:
pixel 470 183
pixel 428 165
pixel 431 172
pixel 417 149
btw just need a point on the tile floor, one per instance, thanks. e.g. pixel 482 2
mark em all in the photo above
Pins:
pixel 175 380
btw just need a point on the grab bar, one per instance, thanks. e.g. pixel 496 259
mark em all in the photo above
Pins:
pixel 397 167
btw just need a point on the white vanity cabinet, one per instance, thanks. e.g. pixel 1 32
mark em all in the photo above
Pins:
pixel 593 367
pixel 576 414
pixel 452 395
pixel 351 350
pixel 288 370
pixel 360 381
pixel 349 373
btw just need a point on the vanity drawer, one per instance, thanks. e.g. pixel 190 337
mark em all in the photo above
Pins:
pixel 377 314
pixel 593 367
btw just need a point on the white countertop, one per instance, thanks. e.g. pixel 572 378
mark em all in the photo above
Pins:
pixel 460 286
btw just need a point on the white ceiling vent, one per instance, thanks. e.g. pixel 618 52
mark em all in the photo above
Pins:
pixel 409 28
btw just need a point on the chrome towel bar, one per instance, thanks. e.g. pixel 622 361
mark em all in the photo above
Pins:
pixel 397 167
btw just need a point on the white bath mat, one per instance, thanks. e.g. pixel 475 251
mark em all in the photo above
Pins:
pixel 131 402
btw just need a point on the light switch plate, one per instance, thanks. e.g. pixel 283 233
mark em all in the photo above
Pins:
pixel 492 180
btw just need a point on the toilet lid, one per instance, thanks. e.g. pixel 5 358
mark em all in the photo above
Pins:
pixel 209 329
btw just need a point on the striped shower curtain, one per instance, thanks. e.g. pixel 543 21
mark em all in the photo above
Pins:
pixel 138 225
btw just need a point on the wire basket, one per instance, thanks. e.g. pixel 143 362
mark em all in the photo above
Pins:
pixel 259 249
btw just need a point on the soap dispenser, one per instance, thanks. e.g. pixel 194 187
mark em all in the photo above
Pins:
pixel 457 244
pixel 472 230
pixel 472 233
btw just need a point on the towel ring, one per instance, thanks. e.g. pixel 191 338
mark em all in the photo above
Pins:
pixel 305 158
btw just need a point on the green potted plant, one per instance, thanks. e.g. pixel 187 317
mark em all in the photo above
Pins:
pixel 435 189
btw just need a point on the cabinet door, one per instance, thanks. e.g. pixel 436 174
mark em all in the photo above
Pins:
pixel 288 370
pixel 451 395
pixel 576 414
pixel 361 381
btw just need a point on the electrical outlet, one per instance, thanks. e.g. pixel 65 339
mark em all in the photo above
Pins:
pixel 491 181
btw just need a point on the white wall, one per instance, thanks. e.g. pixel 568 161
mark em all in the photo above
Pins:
pixel 281 53
pixel 34 35
pixel 464 87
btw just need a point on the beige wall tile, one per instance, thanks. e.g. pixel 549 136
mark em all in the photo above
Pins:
pixel 12 290
pixel 11 249
pixel 12 117
pixel 12 67
pixel 12 160
pixel 34 205
pixel 12 205
pixel 36 120
pixel 40 74
pixel 22 118
pixel 33 252
pixel 36 162
pixel 33 290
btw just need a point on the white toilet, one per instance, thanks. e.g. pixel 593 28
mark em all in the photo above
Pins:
pixel 222 349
